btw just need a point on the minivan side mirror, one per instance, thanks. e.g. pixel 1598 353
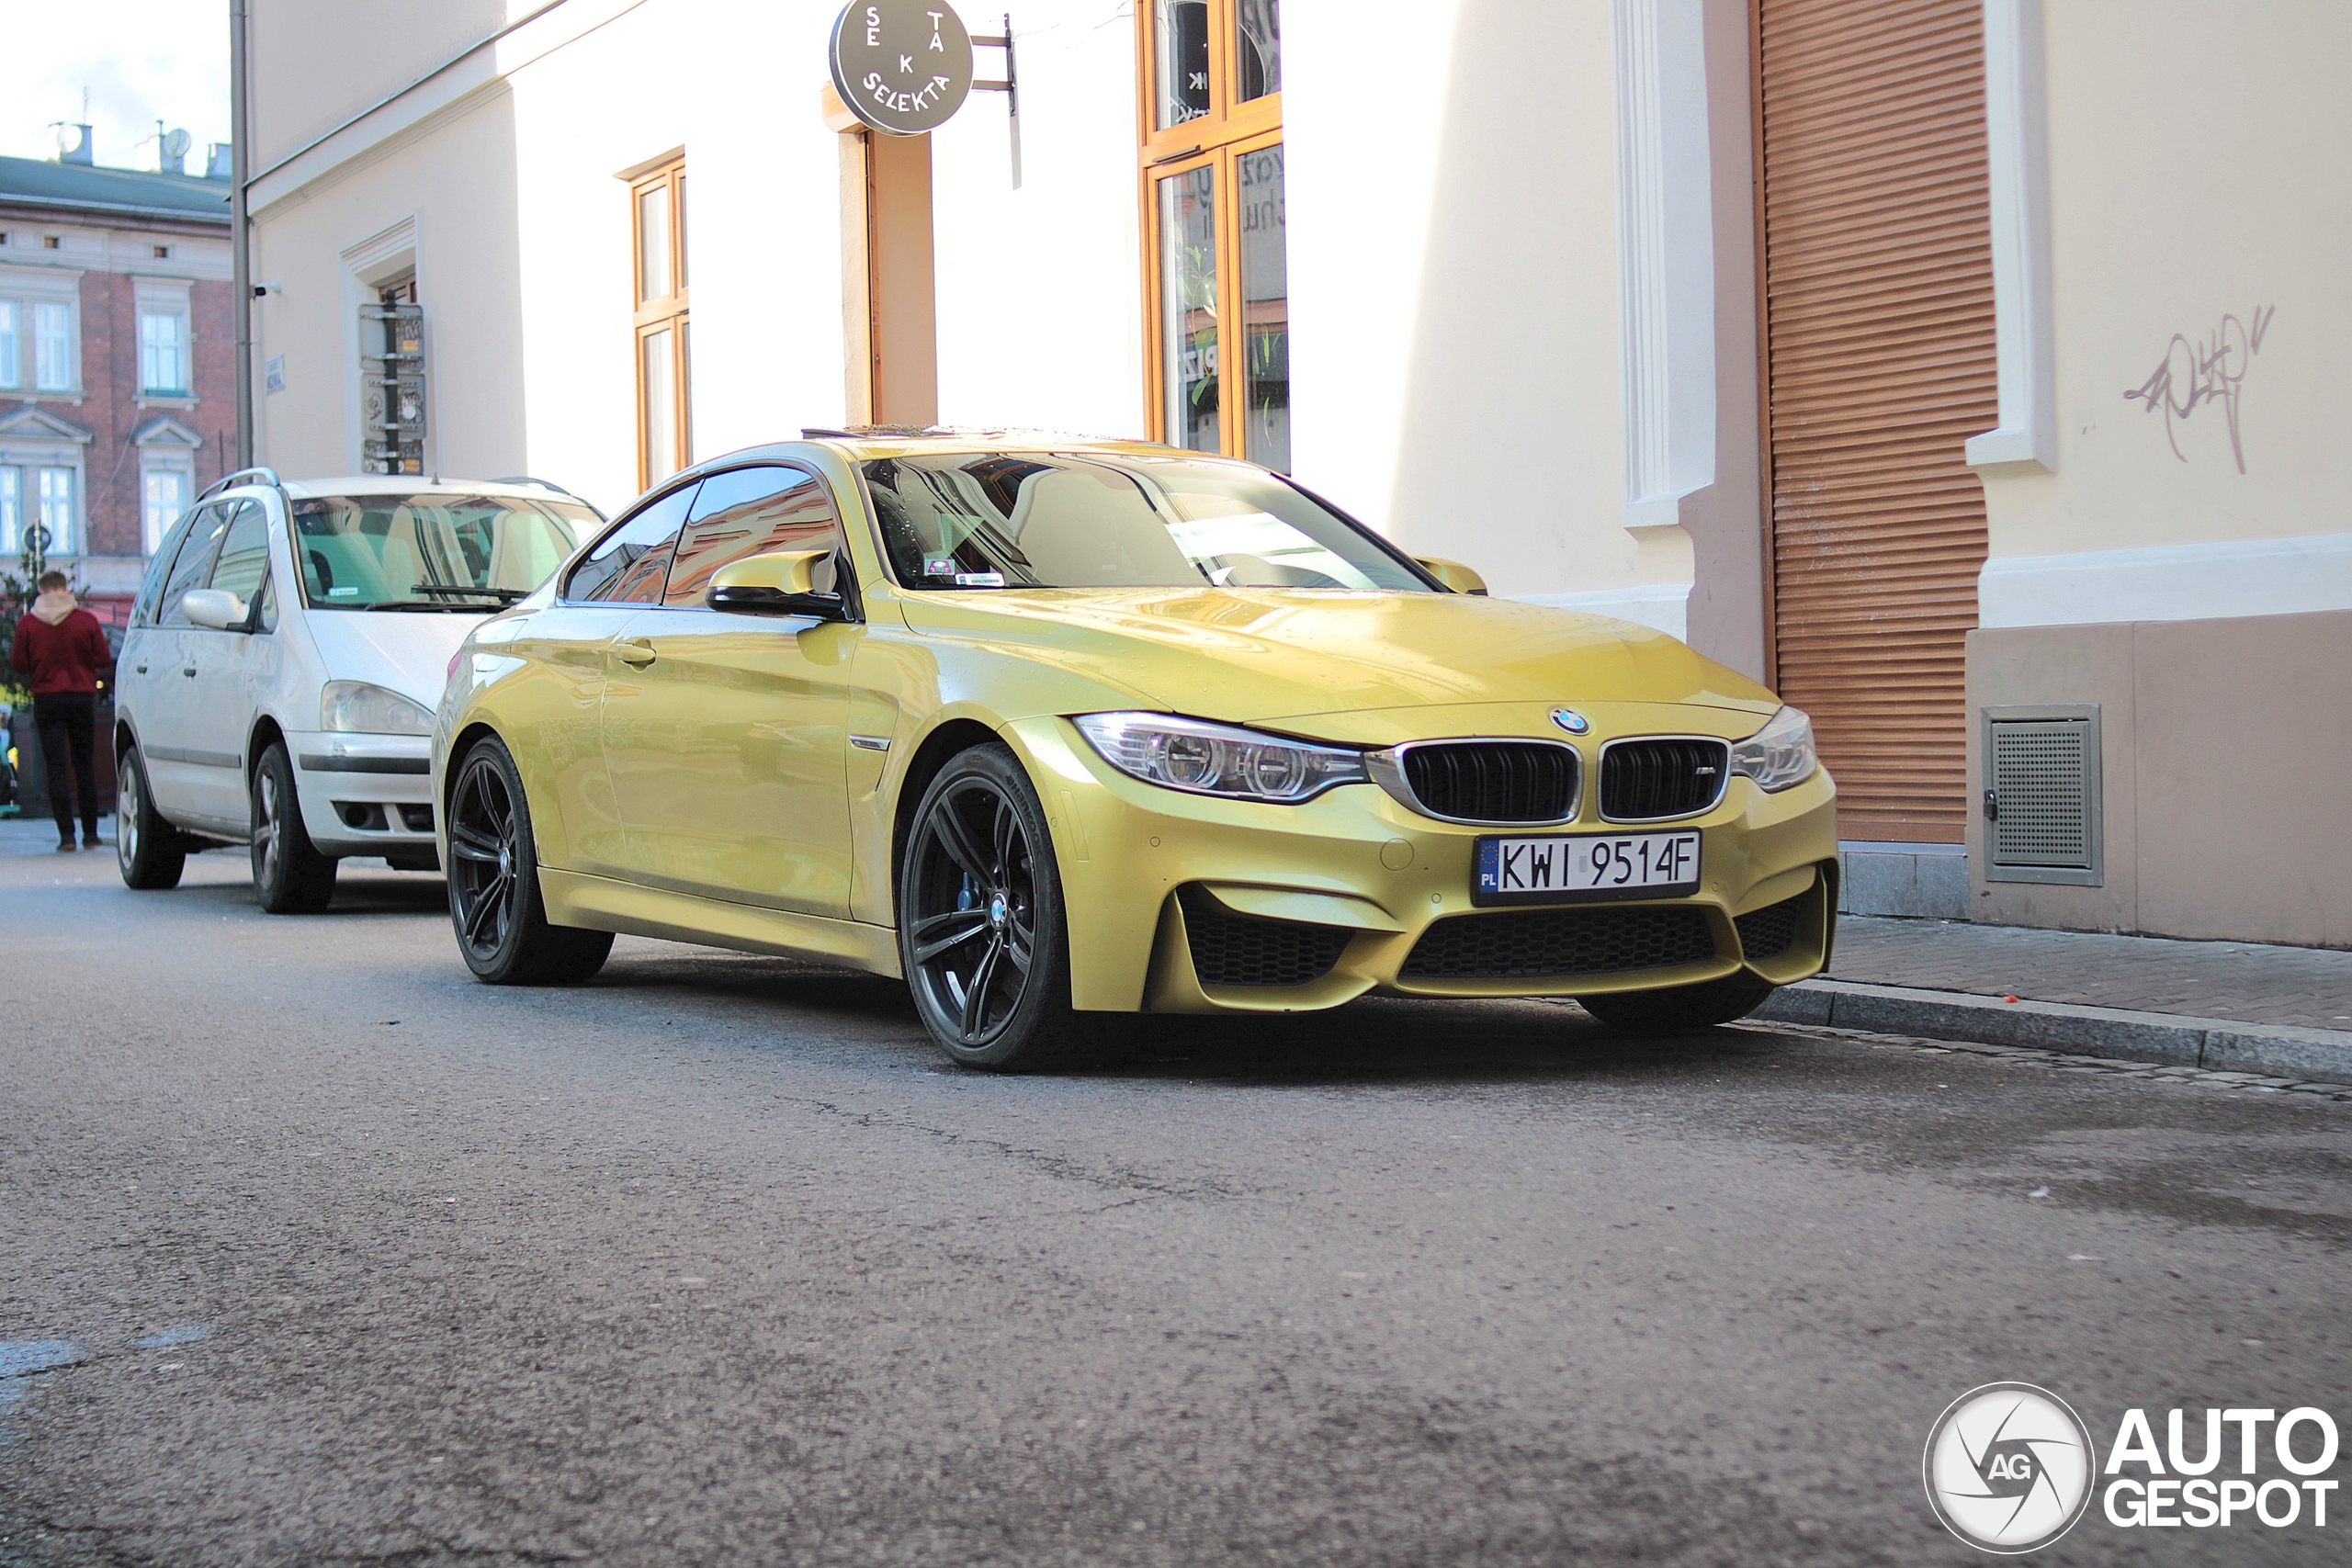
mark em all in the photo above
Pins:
pixel 216 608
pixel 1452 573
pixel 780 582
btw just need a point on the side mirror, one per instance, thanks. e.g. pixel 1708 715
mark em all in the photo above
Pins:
pixel 782 582
pixel 215 608
pixel 1453 573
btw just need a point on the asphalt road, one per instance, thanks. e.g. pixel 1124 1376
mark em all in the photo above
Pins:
pixel 714 1261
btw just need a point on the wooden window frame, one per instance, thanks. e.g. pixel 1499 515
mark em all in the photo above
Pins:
pixel 1217 140
pixel 664 312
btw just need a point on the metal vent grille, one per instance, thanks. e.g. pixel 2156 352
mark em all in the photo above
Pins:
pixel 1493 781
pixel 1650 780
pixel 1559 941
pixel 1242 950
pixel 2041 799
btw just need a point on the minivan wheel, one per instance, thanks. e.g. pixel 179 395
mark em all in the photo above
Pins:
pixel 981 934
pixel 145 846
pixel 290 876
pixel 1679 1008
pixel 495 899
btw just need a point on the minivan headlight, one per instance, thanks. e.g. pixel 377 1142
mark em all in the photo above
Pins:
pixel 1201 758
pixel 358 706
pixel 1779 755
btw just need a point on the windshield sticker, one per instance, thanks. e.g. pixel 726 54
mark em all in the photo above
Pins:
pixel 980 579
pixel 939 566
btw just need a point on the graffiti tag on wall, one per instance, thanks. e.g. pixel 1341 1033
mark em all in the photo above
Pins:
pixel 2208 371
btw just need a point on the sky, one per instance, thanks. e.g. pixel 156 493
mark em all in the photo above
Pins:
pixel 141 61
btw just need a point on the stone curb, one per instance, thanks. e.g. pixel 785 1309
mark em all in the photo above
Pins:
pixel 2321 1055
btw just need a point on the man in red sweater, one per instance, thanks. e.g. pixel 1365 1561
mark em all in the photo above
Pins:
pixel 59 648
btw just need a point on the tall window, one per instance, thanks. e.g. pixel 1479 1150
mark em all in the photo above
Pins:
pixel 12 514
pixel 11 370
pixel 57 509
pixel 664 421
pixel 163 351
pixel 166 499
pixel 53 347
pixel 1217 288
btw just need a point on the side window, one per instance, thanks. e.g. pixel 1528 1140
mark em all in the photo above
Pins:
pixel 151 591
pixel 628 567
pixel 749 511
pixel 188 568
pixel 267 618
pixel 244 554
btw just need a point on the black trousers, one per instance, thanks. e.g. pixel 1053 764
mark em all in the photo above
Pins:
pixel 65 720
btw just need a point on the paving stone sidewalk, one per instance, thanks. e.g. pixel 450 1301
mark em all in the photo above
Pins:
pixel 2251 983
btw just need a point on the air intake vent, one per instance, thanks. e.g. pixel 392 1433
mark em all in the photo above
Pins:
pixel 1242 950
pixel 1772 930
pixel 2041 795
pixel 1650 780
pixel 1559 941
pixel 1492 780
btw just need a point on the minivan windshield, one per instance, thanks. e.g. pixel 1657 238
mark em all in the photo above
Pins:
pixel 1089 520
pixel 430 552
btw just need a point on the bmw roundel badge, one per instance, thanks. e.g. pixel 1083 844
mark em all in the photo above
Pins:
pixel 1570 720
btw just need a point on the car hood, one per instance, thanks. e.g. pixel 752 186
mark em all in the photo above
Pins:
pixel 1265 655
pixel 408 651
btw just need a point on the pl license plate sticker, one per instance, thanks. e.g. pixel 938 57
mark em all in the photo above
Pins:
pixel 1562 869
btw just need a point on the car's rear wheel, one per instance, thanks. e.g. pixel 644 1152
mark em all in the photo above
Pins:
pixel 145 846
pixel 981 934
pixel 290 876
pixel 1679 1007
pixel 495 899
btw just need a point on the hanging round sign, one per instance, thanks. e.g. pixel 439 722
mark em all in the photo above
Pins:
pixel 902 66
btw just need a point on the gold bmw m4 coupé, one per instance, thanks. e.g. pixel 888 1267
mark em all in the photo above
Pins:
pixel 1060 731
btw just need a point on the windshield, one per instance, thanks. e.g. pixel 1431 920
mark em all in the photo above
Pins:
pixel 1024 520
pixel 430 552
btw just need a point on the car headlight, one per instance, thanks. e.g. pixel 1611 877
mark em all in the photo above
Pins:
pixel 1200 758
pixel 372 710
pixel 1779 755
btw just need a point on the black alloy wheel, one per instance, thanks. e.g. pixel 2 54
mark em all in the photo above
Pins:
pixel 146 847
pixel 494 899
pixel 980 930
pixel 290 876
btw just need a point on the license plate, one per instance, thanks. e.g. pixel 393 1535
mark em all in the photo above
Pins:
pixel 1558 868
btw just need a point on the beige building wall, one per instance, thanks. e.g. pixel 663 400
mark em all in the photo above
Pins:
pixel 2182 556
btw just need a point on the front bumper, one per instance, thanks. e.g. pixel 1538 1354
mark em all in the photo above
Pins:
pixel 1169 896
pixel 366 795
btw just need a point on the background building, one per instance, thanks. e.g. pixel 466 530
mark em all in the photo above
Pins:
pixel 115 359
pixel 1889 354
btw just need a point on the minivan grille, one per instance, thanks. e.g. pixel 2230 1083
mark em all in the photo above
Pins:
pixel 1493 781
pixel 1539 943
pixel 1243 950
pixel 1647 779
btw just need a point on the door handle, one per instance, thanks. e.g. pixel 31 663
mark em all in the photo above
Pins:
pixel 636 653
pixel 139 668
pixel 189 671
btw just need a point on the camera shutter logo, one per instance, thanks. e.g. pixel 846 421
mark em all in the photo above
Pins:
pixel 2009 1467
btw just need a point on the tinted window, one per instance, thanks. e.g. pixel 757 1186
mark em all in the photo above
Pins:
pixel 432 551
pixel 1065 520
pixel 190 565
pixel 630 565
pixel 244 553
pixel 749 511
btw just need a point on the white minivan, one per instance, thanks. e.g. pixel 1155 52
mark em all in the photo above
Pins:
pixel 286 650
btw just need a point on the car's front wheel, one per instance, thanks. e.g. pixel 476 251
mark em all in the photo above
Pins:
pixel 981 934
pixel 290 876
pixel 1679 1008
pixel 495 899
pixel 145 846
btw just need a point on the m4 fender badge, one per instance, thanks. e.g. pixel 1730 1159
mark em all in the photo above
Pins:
pixel 1570 720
